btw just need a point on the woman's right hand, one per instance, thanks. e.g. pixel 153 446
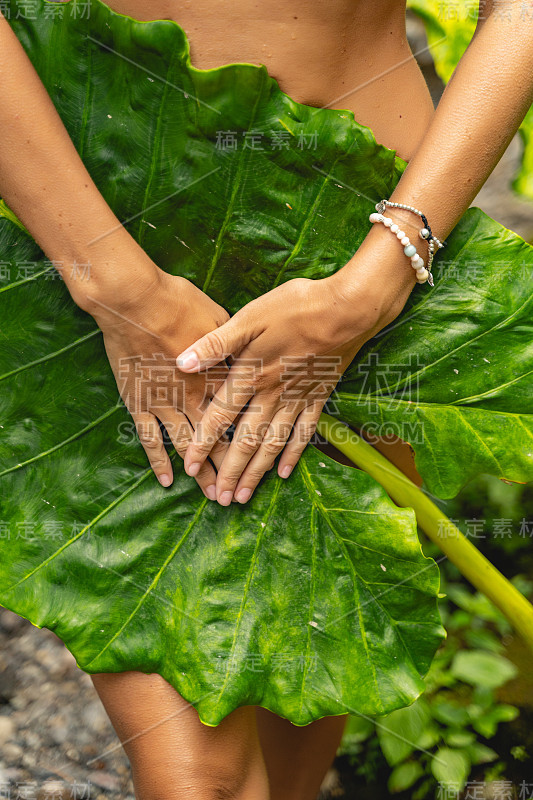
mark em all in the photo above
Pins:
pixel 144 326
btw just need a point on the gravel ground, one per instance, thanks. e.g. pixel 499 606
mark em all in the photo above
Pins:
pixel 56 740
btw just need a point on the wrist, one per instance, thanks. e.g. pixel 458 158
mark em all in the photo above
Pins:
pixel 375 284
pixel 115 284
pixel 101 262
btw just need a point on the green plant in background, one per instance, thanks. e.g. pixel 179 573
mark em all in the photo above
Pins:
pixel 435 742
pixel 449 28
pixel 315 598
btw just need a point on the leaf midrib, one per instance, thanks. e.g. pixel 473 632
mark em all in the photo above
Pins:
pixel 49 356
pixel 426 367
pixel 247 583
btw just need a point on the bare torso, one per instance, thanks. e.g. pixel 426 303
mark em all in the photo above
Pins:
pixel 346 54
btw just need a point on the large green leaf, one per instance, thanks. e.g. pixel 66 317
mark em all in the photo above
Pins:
pixel 453 374
pixel 314 598
pixel 449 29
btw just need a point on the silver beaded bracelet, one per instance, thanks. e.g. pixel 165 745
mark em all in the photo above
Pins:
pixel 423 272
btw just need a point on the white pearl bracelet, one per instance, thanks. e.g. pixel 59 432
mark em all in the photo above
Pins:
pixel 417 262
pixel 424 233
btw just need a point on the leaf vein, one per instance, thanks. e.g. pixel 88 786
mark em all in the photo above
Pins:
pixel 155 581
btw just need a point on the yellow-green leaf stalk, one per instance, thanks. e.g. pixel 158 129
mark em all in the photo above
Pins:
pixel 473 565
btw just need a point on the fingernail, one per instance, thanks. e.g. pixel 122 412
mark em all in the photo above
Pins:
pixel 243 495
pixel 211 492
pixel 188 361
pixel 164 479
pixel 286 471
pixel 193 469
pixel 225 498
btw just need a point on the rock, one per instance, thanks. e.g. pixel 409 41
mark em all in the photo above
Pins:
pixel 12 753
pixel 59 734
pixel 73 754
pixel 29 760
pixel 105 780
pixel 11 622
pixel 56 789
pixel 19 702
pixel 95 717
pixel 13 774
pixel 31 674
pixel 33 741
pixel 8 684
pixel 331 785
pixel 6 729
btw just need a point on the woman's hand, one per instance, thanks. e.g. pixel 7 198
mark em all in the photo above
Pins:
pixel 143 328
pixel 290 348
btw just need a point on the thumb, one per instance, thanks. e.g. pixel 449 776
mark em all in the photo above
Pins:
pixel 215 346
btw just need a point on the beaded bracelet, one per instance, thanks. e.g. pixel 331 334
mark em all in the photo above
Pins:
pixel 417 262
pixel 424 233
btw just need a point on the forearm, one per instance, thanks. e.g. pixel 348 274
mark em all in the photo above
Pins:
pixel 479 112
pixel 44 181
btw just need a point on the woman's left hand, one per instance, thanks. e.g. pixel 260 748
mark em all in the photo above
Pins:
pixel 289 348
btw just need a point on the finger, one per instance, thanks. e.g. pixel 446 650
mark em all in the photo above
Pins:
pixel 223 409
pixel 247 439
pixel 303 431
pixel 151 438
pixel 217 345
pixel 273 443
pixel 195 414
pixel 180 432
